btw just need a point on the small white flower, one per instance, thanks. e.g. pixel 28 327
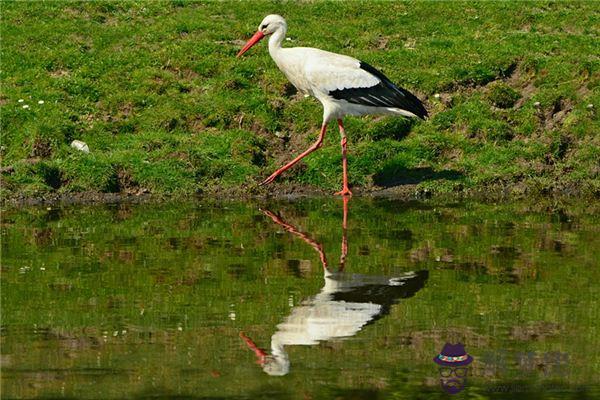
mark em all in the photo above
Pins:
pixel 21 100
pixel 26 106
pixel 437 95
pixel 41 102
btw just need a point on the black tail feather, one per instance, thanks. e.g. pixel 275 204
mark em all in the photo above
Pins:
pixel 408 101
pixel 384 94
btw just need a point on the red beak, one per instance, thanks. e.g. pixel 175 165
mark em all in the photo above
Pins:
pixel 253 40
pixel 260 353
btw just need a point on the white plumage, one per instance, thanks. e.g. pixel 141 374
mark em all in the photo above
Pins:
pixel 346 303
pixel 343 85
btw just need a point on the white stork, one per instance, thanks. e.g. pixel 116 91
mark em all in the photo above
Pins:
pixel 346 303
pixel 344 85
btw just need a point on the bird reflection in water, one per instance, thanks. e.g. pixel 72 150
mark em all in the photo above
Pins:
pixel 346 303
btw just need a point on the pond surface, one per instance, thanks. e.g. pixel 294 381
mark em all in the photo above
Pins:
pixel 306 299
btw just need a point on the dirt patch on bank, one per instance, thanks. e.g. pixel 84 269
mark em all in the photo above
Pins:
pixel 292 191
pixel 284 191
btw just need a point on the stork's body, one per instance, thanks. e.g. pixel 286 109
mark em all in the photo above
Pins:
pixel 344 85
pixel 346 303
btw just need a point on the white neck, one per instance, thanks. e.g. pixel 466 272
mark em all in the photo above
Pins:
pixel 275 41
pixel 278 350
pixel 281 363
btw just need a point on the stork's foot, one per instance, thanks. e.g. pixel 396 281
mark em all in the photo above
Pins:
pixel 344 192
pixel 269 179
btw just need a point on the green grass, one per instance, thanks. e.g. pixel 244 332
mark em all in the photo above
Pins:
pixel 155 90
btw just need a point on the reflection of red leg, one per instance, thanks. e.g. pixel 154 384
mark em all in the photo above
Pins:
pixel 289 165
pixel 345 191
pixel 260 353
pixel 345 199
pixel 292 229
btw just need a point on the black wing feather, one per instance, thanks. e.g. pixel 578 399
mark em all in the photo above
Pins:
pixel 384 295
pixel 384 94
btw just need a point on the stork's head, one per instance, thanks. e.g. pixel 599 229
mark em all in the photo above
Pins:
pixel 276 365
pixel 269 25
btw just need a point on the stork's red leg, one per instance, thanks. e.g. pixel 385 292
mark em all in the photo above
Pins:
pixel 345 199
pixel 289 165
pixel 345 191
pixel 292 229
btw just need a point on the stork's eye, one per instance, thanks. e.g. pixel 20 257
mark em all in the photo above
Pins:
pixel 263 27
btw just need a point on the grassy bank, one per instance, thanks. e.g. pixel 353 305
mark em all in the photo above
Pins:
pixel 156 92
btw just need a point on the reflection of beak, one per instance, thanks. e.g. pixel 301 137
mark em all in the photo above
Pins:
pixel 253 40
pixel 261 355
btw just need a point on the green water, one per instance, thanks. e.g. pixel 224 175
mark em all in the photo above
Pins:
pixel 148 301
